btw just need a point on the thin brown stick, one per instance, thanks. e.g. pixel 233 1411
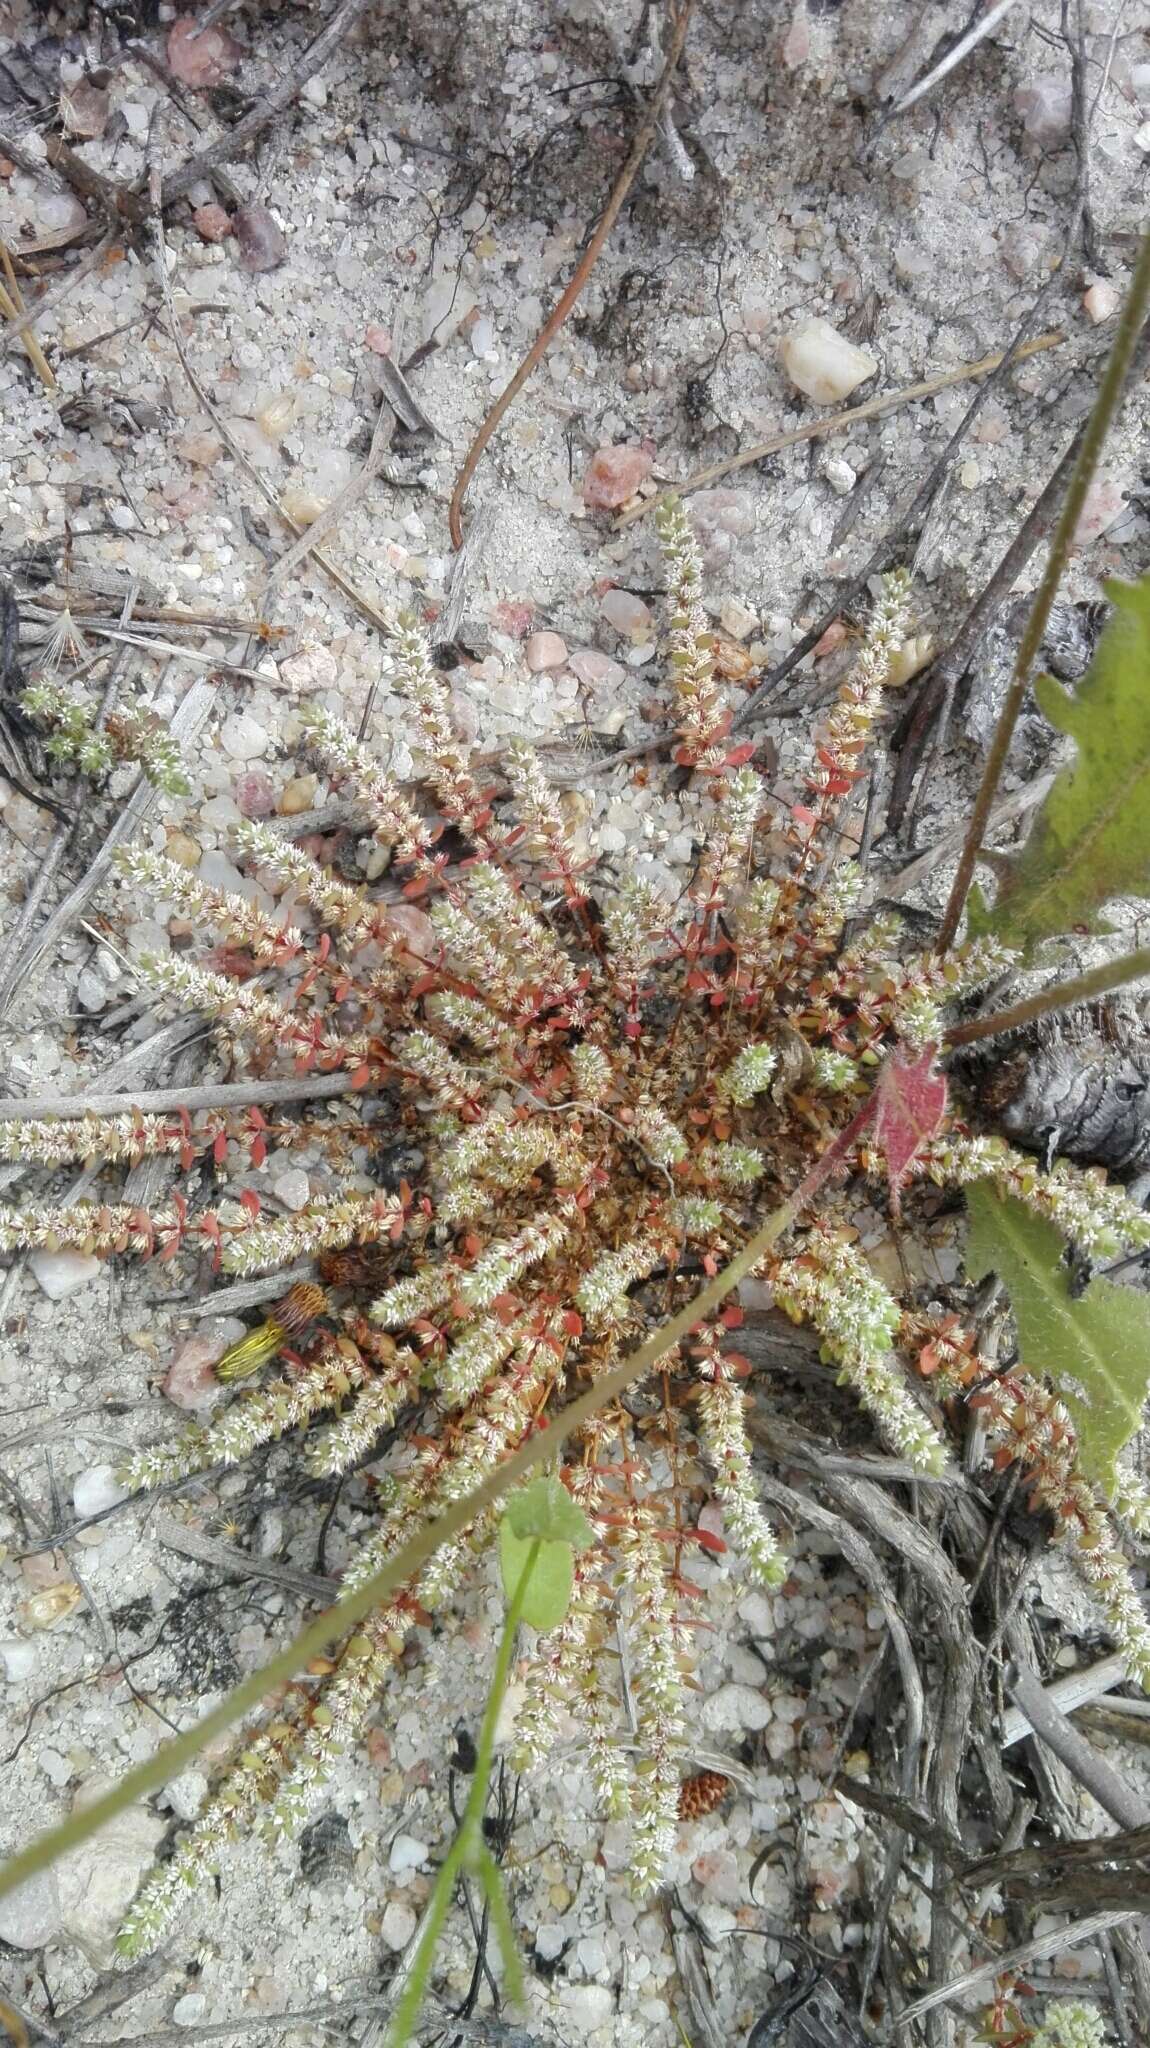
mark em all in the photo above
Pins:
pixel 225 1095
pixel 1062 996
pixel 909 522
pixel 1082 1760
pixel 586 264
pixel 1013 1964
pixel 268 105
pixel 936 697
pixel 226 1557
pixel 840 422
pixel 1016 806
pixel 13 308
pixel 1105 408
pixel 52 299
pixel 116 202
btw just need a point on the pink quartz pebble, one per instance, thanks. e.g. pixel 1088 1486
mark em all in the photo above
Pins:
pixel 614 475
pixel 544 650
pixel 201 59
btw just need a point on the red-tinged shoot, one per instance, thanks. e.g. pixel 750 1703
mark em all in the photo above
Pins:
pixel 609 1089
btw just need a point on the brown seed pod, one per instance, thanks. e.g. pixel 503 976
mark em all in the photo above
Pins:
pixel 702 1794
pixel 300 1306
pixel 366 1268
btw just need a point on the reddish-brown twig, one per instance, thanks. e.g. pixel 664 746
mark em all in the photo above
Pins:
pixel 582 272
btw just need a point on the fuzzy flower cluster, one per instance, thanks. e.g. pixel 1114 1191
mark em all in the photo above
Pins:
pixel 1029 1426
pixel 1071 2024
pixel 77 738
pixel 607 1095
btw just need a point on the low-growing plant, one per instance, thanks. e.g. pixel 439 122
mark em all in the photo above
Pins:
pixel 609 1091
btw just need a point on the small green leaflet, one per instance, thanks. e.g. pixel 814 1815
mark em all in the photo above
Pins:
pixel 544 1508
pixel 542 1513
pixel 1090 840
pixel 1095 1350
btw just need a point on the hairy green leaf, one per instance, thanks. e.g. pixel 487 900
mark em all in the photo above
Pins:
pixel 548 1590
pixel 1091 838
pixel 1094 1348
pixel 544 1508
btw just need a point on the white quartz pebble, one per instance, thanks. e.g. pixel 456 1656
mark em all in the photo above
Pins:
pixel 824 364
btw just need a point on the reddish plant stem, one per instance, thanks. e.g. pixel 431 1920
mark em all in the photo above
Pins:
pixel 558 314
pixel 1101 418
pixel 1063 995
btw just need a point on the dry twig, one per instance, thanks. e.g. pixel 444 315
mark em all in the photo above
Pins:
pixel 268 106
pixel 647 131
pixel 841 422
pixel 1014 1964
pixel 1082 1760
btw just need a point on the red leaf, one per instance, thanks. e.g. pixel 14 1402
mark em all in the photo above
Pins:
pixel 707 1541
pixel 731 1317
pixel 250 1202
pixel 910 1103
pixel 258 1151
pixel 571 1323
pixel 220 1147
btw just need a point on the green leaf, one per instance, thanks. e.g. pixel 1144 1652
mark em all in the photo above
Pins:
pixel 548 1591
pixel 1094 1349
pixel 546 1509
pixel 1090 840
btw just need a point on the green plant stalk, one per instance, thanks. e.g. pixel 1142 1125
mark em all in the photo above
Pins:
pixel 1062 996
pixel 1101 419
pixel 468 1851
pixel 329 1627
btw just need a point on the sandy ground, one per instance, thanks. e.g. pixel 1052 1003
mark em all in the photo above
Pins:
pixel 433 185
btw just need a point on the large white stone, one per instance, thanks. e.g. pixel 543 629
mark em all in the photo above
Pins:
pixel 587 2006
pixel 30 1915
pixel 398 1924
pixel 823 363
pixel 407 1854
pixel 98 1881
pixel 736 1709
pixel 97 1489
pixel 60 1273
